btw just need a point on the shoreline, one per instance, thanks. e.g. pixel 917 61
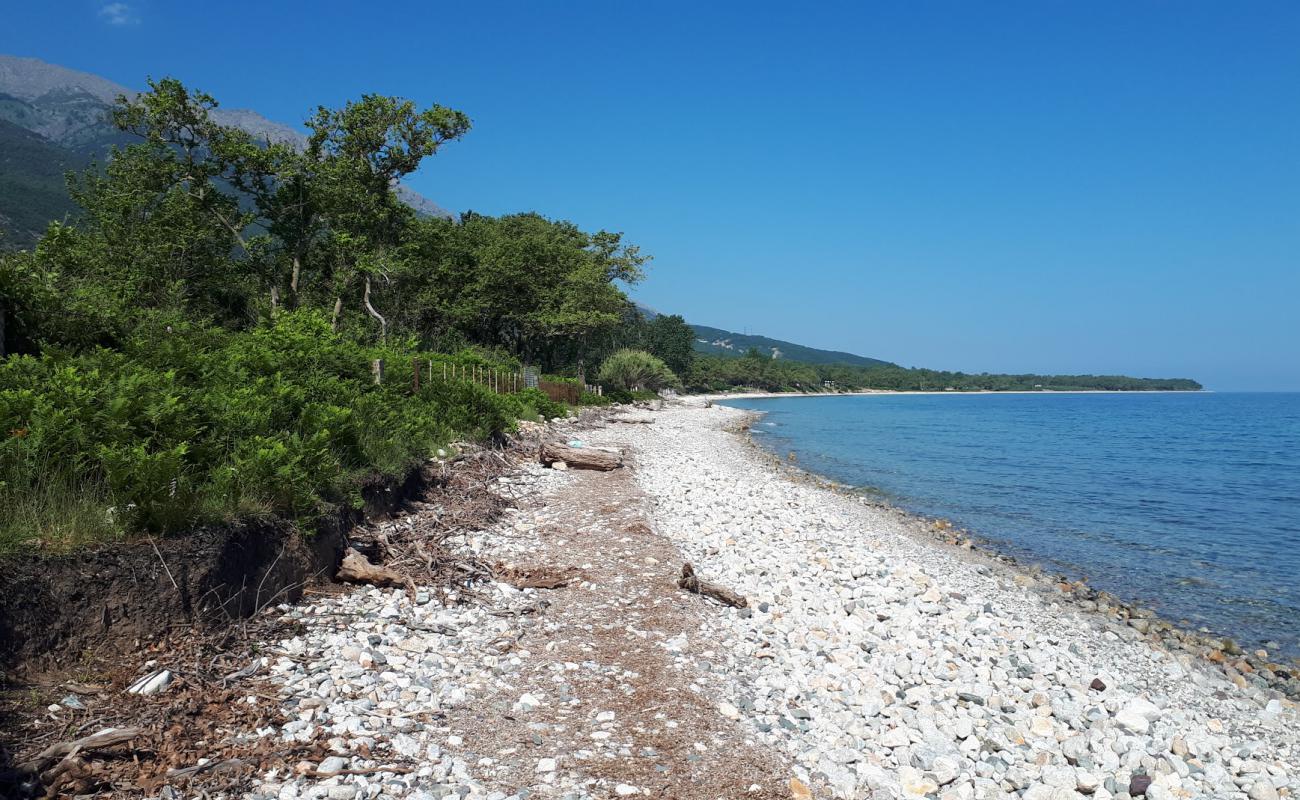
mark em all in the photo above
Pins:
pixel 781 535
pixel 722 396
pixel 1214 647
pixel 867 657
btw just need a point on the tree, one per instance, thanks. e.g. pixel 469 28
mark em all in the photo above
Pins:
pixel 672 340
pixel 358 154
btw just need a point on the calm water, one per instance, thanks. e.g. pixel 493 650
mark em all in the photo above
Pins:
pixel 1188 503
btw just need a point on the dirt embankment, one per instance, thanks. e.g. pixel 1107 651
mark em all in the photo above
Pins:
pixel 56 610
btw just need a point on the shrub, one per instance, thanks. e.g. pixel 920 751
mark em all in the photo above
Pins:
pixel 636 370
pixel 188 424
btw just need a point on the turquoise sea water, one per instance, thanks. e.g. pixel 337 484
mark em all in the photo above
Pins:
pixel 1187 503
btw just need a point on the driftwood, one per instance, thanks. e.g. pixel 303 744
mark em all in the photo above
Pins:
pixel 109 737
pixel 356 568
pixel 580 457
pixel 632 420
pixel 210 766
pixel 691 583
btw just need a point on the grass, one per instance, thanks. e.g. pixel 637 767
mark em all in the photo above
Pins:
pixel 57 516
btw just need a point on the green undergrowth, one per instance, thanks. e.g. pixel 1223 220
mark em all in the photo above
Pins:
pixel 186 424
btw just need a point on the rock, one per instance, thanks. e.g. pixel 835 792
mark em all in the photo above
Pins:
pixel 1262 789
pixel 1138 785
pixel 626 790
pixel 545 765
pixel 1097 685
pixel 799 790
pixel 1086 782
pixel 1041 791
pixel 914 783
pixel 1137 716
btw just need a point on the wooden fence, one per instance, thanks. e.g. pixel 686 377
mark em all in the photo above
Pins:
pixel 501 381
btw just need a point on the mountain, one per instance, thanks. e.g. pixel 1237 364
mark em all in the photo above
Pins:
pixel 717 342
pixel 54 119
pixel 32 190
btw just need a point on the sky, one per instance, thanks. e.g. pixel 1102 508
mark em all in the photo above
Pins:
pixel 1054 187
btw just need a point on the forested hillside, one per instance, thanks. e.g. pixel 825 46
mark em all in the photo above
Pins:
pixel 718 342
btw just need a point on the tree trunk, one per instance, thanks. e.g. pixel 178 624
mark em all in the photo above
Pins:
pixel 383 323
pixel 338 309
pixel 580 457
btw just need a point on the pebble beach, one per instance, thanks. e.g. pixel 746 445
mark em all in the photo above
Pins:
pixel 870 662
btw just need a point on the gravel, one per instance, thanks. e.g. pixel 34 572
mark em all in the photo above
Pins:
pixel 887 664
pixel 880 662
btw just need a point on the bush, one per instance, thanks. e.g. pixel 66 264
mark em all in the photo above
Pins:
pixel 635 370
pixel 188 424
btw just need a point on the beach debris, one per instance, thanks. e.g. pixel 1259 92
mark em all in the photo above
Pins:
pixel 153 683
pixel 356 568
pixel 68 751
pixel 537 577
pixel 73 702
pixel 581 457
pixel 691 583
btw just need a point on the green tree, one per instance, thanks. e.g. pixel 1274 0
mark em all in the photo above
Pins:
pixel 672 340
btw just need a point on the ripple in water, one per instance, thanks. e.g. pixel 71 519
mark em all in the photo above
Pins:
pixel 1183 502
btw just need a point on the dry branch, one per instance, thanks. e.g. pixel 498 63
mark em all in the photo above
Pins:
pixel 691 583
pixel 109 737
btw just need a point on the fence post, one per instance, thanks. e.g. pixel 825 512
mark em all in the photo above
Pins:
pixel 377 370
pixel 415 376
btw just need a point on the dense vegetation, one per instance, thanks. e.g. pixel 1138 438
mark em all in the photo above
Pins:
pixel 671 338
pixel 197 343
pixel 755 370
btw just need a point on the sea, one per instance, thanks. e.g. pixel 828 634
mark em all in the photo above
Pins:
pixel 1186 503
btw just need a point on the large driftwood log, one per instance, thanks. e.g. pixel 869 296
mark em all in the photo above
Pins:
pixel 109 737
pixel 629 419
pixel 580 457
pixel 691 583
pixel 356 568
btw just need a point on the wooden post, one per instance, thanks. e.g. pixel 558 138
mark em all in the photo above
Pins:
pixel 444 371
pixel 377 370
pixel 415 376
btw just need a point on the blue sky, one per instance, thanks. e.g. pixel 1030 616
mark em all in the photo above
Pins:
pixel 1013 186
